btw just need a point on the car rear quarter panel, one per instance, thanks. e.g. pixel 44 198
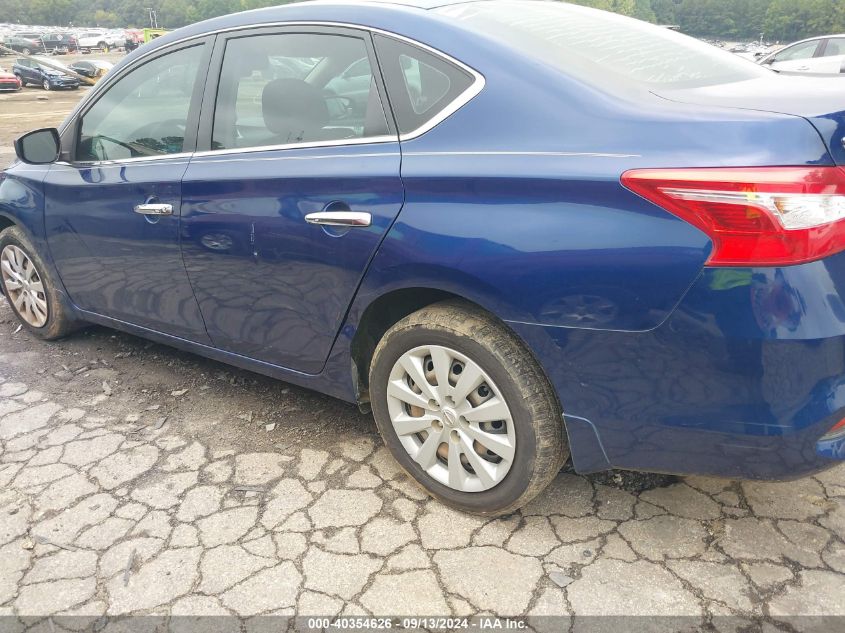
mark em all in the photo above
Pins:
pixel 515 201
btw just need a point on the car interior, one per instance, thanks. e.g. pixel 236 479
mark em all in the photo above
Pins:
pixel 293 88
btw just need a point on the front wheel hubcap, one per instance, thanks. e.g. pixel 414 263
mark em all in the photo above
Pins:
pixel 451 418
pixel 24 286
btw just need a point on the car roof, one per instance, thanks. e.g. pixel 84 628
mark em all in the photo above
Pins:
pixel 417 4
pixel 818 37
pixel 403 17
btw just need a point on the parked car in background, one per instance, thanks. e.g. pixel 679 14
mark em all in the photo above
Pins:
pixel 133 38
pixel 92 68
pixel 519 232
pixel 59 43
pixel 33 71
pixel 25 45
pixel 98 40
pixel 815 55
pixel 8 80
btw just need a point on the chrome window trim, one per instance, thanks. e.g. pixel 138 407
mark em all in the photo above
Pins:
pixel 136 159
pixel 456 104
pixel 369 140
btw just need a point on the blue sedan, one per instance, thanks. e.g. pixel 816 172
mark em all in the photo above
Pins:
pixel 519 232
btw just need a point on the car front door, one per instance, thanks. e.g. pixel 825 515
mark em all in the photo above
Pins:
pixel 29 71
pixel 113 203
pixel 796 58
pixel 290 200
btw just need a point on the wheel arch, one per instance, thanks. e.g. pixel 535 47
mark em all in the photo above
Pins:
pixel 6 221
pixel 390 307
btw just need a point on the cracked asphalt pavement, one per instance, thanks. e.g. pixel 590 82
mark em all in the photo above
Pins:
pixel 136 479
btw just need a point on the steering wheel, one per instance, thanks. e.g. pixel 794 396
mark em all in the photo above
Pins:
pixel 161 129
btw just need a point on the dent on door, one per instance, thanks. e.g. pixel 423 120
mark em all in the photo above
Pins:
pixel 271 284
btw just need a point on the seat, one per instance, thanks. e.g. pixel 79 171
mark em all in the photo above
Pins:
pixel 294 111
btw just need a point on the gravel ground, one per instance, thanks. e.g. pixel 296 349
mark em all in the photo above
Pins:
pixel 138 479
pixel 34 107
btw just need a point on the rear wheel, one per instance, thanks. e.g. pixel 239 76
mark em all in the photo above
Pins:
pixel 104 47
pixel 30 289
pixel 466 410
pixel 46 84
pixel 27 51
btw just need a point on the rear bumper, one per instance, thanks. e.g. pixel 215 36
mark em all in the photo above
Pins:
pixel 743 379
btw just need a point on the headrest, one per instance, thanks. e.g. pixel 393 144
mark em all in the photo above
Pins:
pixel 293 109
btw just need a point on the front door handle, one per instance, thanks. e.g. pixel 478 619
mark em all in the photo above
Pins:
pixel 340 218
pixel 154 208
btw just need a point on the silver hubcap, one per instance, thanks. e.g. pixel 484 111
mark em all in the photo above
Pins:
pixel 451 418
pixel 24 286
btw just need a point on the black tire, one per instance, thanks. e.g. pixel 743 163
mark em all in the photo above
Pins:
pixel 541 447
pixel 46 84
pixel 103 46
pixel 26 51
pixel 60 321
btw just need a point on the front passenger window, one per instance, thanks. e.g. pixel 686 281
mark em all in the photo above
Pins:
pixel 798 51
pixel 145 113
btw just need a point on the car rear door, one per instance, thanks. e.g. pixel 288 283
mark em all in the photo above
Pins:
pixel 831 58
pixel 295 191
pixel 112 205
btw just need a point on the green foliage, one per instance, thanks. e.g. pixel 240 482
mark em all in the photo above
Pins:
pixel 782 20
pixel 121 13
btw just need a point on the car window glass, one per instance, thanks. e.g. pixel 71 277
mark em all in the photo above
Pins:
pixel 295 88
pixel 420 84
pixel 413 71
pixel 361 68
pixel 799 51
pixel 835 46
pixel 145 113
pixel 602 48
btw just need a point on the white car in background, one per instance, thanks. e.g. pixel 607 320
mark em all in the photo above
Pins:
pixel 815 55
pixel 100 40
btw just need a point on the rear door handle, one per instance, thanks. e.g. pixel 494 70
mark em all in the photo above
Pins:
pixel 154 209
pixel 340 218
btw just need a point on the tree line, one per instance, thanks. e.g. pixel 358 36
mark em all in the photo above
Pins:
pixel 776 20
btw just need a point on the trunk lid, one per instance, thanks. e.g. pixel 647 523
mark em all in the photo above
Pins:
pixel 820 100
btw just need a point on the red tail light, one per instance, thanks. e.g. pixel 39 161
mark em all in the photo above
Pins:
pixel 762 216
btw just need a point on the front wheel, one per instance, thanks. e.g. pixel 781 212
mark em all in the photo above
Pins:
pixel 466 410
pixel 46 84
pixel 30 289
pixel 26 51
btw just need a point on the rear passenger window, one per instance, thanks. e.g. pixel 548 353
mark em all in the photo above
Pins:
pixel 835 47
pixel 421 85
pixel 292 88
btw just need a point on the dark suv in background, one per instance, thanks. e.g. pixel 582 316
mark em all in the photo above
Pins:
pixel 25 45
pixel 60 43
pixel 29 71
